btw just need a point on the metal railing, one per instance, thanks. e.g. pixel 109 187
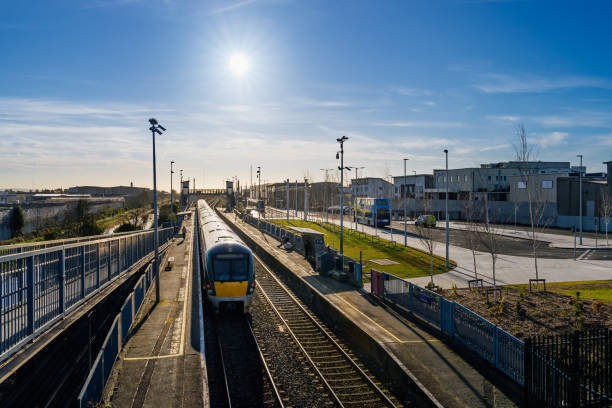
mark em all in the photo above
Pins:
pixel 117 336
pixel 33 246
pixel 500 348
pixel 40 286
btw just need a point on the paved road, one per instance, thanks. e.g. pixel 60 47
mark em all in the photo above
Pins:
pixel 508 245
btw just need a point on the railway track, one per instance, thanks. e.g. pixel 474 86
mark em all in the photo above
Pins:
pixel 348 384
pixel 247 378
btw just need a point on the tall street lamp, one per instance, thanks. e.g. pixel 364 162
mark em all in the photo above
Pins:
pixel 446 207
pixel 341 140
pixel 171 197
pixel 405 194
pixel 354 200
pixel 580 178
pixel 155 128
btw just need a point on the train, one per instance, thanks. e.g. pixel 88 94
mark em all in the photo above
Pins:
pixel 227 263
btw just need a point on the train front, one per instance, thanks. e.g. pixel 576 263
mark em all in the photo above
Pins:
pixel 231 278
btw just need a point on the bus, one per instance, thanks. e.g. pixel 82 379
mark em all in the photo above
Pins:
pixel 366 209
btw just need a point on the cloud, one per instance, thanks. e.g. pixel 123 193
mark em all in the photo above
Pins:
pixel 406 91
pixel 503 83
pixel 419 124
pixel 553 139
pixel 231 7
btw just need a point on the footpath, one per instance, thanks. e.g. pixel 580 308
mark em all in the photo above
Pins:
pixel 162 364
pixel 450 379
pixel 509 269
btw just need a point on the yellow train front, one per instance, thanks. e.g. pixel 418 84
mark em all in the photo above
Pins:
pixel 229 278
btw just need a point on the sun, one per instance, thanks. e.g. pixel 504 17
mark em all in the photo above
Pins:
pixel 238 64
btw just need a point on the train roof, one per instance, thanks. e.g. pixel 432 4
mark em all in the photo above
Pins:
pixel 214 230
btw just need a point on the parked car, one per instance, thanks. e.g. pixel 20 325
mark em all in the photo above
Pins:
pixel 426 221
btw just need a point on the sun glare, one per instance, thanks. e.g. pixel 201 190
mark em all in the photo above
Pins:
pixel 238 64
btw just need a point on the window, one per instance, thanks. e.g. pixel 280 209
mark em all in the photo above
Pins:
pixel 489 178
pixel 521 185
pixel 231 267
pixel 465 178
pixel 547 184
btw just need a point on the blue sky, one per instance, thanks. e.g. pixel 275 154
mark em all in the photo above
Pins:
pixel 79 79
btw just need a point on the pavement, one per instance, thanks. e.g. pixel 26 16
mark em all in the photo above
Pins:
pixel 162 364
pixel 452 380
pixel 556 240
pixel 509 269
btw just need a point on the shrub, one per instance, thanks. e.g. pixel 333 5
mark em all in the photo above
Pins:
pixel 577 308
pixel 17 220
pixel 580 323
pixel 597 306
pixel 454 289
pixel 501 306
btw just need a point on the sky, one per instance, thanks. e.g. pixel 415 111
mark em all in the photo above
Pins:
pixel 273 83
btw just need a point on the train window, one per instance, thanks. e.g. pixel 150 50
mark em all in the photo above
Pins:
pixel 231 267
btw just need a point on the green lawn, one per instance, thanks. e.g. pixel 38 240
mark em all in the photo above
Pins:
pixel 595 290
pixel 413 262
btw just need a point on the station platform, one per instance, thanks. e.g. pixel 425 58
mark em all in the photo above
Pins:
pixel 162 364
pixel 448 378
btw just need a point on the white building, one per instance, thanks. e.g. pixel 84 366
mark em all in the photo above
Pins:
pixel 412 186
pixel 374 187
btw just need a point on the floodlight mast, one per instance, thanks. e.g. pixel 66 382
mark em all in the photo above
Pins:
pixel 341 140
pixel 154 129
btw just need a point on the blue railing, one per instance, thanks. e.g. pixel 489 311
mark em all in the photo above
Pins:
pixel 495 345
pixel 279 232
pixel 39 287
pixel 102 367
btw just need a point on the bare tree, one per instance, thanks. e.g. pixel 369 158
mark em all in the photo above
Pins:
pixel 472 217
pixel 427 235
pixel 605 210
pixel 536 204
pixel 489 237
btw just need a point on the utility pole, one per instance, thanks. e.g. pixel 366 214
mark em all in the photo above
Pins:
pixel 296 199
pixel 446 207
pixel 405 196
pixel 171 197
pixel 580 214
pixel 155 128
pixel 414 198
pixel 341 140
pixel 287 202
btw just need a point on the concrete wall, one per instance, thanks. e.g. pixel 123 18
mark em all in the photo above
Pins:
pixel 37 215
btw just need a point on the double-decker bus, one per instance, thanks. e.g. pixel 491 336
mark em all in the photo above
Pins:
pixel 369 209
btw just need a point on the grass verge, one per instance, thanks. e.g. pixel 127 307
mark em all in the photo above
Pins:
pixel 411 262
pixel 595 290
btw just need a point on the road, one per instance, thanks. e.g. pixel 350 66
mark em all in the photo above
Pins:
pixel 508 245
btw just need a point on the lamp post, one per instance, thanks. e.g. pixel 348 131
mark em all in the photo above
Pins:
pixel 405 196
pixel 446 207
pixel 354 200
pixel 414 198
pixel 341 140
pixel 171 197
pixel 580 214
pixel 325 191
pixel 155 128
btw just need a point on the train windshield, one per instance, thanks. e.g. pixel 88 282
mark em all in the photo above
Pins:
pixel 231 267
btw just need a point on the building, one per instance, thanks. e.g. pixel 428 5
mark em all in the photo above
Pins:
pixel 371 187
pixel 117 191
pixel 494 179
pixel 411 186
pixel 320 195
